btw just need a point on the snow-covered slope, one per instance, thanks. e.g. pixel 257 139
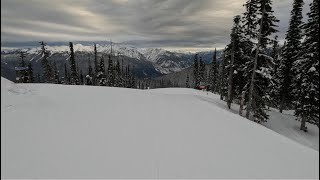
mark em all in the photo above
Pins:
pixel 59 131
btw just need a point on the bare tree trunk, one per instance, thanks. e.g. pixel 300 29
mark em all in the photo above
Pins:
pixel 243 95
pixel 249 106
pixel 230 82
pixel 303 125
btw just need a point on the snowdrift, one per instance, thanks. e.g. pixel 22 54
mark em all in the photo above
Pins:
pixel 59 131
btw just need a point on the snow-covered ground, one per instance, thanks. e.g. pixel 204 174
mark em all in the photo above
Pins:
pixel 59 131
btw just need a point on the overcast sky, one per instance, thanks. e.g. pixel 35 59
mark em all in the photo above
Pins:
pixel 171 24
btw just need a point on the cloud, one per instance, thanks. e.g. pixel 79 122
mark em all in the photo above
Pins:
pixel 184 24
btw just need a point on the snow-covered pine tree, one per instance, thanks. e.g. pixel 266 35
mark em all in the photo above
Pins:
pixel 38 78
pixel 81 78
pixel 30 73
pixel 118 82
pixel 22 56
pixel 202 69
pixel 24 73
pixel 122 74
pixel 56 73
pixel 196 71
pixel 96 65
pixel 307 71
pixel 234 48
pixel 73 69
pixel 133 80
pixel 110 75
pixel 289 54
pixel 101 76
pixel 260 71
pixel 213 73
pixel 273 87
pixel 187 81
pixel 249 24
pixel 89 76
pixel 66 79
pixel 249 18
pixel 222 77
pixel 47 68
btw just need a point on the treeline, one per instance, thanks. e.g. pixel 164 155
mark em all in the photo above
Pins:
pixel 113 73
pixel 287 77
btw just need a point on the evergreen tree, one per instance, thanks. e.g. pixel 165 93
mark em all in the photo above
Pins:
pixel 73 69
pixel 235 53
pixel 96 65
pixel 89 76
pixel 222 80
pixel 47 68
pixel 201 73
pixel 101 77
pixel 122 74
pixel 307 72
pixel 118 81
pixel 249 19
pixel 196 71
pixel 273 87
pixel 24 73
pixel 30 73
pixel 22 56
pixel 81 78
pixel 213 73
pixel 111 76
pixel 56 73
pixel 39 78
pixel 289 54
pixel 260 71
pixel 66 75
pixel 250 22
pixel 187 82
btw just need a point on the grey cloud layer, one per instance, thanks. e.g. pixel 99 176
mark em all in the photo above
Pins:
pixel 153 23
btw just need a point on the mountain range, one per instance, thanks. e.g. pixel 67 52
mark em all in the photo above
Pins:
pixel 145 62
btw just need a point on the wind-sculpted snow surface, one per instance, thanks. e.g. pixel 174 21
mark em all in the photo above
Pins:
pixel 60 131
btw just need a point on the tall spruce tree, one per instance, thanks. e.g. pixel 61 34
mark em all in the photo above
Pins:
pixel 273 87
pixel 249 23
pixel 118 81
pixel 30 73
pixel 187 81
pixel 96 65
pixel 213 73
pixel 307 72
pixel 48 74
pixel 260 71
pixel 249 18
pixel 110 72
pixel 73 69
pixel 39 78
pixel 222 76
pixel 201 73
pixel 101 76
pixel 90 74
pixel 196 71
pixel 66 75
pixel 289 54
pixel 56 73
pixel 235 53
pixel 81 78
pixel 24 73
